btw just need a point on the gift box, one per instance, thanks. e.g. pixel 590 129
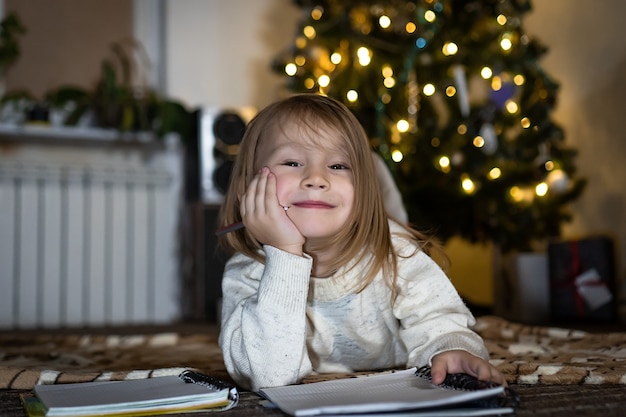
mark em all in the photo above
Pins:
pixel 582 280
pixel 522 292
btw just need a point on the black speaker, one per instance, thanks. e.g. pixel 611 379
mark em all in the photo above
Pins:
pixel 219 134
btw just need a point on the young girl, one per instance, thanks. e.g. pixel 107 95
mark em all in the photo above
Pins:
pixel 321 279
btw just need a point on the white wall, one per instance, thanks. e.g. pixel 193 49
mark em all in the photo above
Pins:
pixel 219 53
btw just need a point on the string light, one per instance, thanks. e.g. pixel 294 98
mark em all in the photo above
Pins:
pixel 450 48
pixel 397 156
pixel 486 72
pixel 444 164
pixel 410 27
pixel 525 122
pixel 335 58
pixel 428 89
pixel 402 126
pixel 384 21
pixel 323 80
pixel 467 184
pixel 352 96
pixel 511 106
pixel 505 43
pixel 389 82
pixel 430 16
pixel 317 12
pixel 501 19
pixel 363 54
pixel 309 32
pixel 541 189
pixel 495 173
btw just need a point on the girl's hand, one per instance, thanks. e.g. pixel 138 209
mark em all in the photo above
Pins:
pixel 265 218
pixel 460 361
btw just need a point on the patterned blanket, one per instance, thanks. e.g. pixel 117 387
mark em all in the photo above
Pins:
pixel 524 354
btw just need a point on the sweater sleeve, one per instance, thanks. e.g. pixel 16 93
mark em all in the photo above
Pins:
pixel 433 317
pixel 263 333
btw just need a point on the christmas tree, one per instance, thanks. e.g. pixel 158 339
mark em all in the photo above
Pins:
pixel 453 97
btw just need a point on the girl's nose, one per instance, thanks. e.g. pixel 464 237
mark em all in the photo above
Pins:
pixel 315 179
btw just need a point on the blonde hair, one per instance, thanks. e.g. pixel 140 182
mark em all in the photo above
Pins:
pixel 367 234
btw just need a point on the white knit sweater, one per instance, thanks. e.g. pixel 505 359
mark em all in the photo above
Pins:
pixel 279 324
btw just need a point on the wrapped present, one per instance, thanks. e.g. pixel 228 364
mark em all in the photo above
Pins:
pixel 582 280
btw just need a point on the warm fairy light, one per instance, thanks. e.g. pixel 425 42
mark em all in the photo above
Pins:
pixel 291 69
pixel 435 142
pixel 364 56
pixel 495 173
pixel 300 60
pixel 501 19
pixel 541 189
pixel 462 129
pixel 511 106
pixel 384 21
pixel 450 91
pixel 430 16
pixel 309 32
pixel 467 184
pixel 402 126
pixel 396 156
pixel 516 194
pixel 335 58
pixel 519 80
pixel 352 96
pixel 428 89
pixel 525 122
pixel 323 80
pixel 309 83
pixel 444 164
pixel 496 83
pixel 478 142
pixel 549 165
pixel 317 12
pixel 387 72
pixel 410 27
pixel 300 42
pixel 486 73
pixel 385 98
pixel 505 42
pixel 450 48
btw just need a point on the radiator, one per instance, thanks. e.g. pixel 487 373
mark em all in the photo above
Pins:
pixel 87 236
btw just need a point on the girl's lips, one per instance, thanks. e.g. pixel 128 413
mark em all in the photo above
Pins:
pixel 313 204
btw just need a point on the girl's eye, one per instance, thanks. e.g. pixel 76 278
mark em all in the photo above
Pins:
pixel 339 166
pixel 291 163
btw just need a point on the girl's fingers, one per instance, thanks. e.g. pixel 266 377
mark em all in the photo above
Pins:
pixel 261 192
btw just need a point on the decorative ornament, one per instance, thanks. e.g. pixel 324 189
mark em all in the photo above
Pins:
pixel 558 181
pixel 461 88
pixel 505 91
pixel 488 133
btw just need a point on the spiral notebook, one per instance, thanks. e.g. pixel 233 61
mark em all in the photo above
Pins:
pixel 159 395
pixel 405 393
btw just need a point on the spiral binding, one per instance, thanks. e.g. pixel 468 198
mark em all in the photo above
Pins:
pixel 210 382
pixel 467 382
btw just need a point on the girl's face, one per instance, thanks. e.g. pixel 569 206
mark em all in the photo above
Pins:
pixel 314 178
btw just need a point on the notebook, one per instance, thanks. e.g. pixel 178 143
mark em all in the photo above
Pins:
pixel 406 393
pixel 159 395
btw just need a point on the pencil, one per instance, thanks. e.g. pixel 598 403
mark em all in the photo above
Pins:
pixel 229 228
